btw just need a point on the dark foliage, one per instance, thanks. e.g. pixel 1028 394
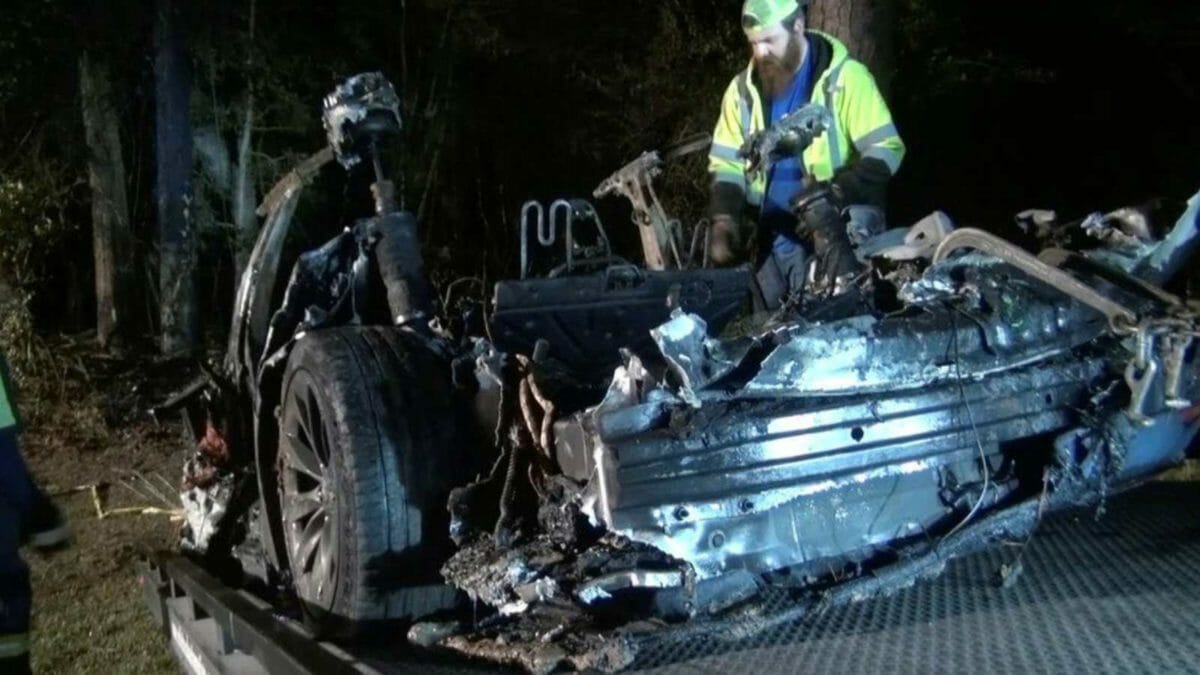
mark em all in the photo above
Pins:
pixel 1004 106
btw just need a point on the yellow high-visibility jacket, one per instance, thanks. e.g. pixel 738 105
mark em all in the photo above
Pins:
pixel 863 129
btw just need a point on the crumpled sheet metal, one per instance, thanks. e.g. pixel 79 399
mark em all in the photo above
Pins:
pixel 1125 235
pixel 856 356
pixel 694 358
pixel 627 385
pixel 1128 244
pixel 1092 465
pixel 1175 249
pixel 968 317
pixel 979 319
pixel 938 283
pixel 1022 324
pixel 917 242
pixel 767 484
pixel 863 354
pixel 204 508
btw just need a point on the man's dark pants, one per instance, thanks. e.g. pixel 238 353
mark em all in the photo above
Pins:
pixel 17 492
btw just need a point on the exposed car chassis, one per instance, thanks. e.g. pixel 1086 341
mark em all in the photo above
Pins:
pixel 627 444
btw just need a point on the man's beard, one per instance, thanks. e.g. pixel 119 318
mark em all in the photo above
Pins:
pixel 776 73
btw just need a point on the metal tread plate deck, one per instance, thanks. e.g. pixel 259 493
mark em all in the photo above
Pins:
pixel 1121 594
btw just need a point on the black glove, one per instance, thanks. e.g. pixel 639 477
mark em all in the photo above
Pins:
pixel 819 220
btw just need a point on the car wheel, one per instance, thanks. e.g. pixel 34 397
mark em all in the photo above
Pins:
pixel 370 445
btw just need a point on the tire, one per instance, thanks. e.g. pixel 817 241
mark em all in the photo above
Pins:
pixel 363 500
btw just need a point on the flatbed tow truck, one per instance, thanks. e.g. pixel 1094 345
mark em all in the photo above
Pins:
pixel 1119 594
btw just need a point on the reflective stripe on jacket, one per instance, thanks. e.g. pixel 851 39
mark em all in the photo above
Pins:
pixel 862 124
pixel 13 645
pixel 8 413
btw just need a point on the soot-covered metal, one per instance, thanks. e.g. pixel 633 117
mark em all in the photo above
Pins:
pixel 808 452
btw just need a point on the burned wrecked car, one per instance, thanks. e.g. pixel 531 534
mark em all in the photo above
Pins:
pixel 629 448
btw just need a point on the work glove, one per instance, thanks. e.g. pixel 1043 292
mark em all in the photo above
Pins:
pixel 819 221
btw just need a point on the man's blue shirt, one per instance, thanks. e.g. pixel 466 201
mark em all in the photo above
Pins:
pixel 785 179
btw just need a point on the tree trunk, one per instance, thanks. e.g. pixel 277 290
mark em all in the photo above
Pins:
pixel 868 29
pixel 173 150
pixel 110 209
pixel 244 200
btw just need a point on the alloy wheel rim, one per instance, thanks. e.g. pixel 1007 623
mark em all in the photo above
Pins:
pixel 308 497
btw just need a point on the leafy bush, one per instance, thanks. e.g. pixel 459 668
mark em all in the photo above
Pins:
pixel 34 199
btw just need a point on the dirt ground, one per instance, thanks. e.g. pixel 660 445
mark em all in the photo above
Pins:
pixel 88 426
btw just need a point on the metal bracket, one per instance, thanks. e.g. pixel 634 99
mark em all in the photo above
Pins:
pixel 1119 316
pixel 1140 381
pixel 1177 347
pixel 544 237
pixel 660 234
pixel 561 218
pixel 569 227
pixel 1178 331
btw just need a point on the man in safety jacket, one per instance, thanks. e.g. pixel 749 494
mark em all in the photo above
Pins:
pixel 799 202
pixel 26 515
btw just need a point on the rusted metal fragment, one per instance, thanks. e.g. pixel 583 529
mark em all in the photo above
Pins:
pixel 661 237
pixel 540 590
pixel 492 574
pixel 547 640
pixel 553 567
pixel 556 595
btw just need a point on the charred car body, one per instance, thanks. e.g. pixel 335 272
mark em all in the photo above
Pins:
pixel 629 442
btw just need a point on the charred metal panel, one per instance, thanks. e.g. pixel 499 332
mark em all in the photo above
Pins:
pixel 1117 452
pixel 256 289
pixel 844 521
pixel 765 484
pixel 588 319
pixel 252 306
pixel 1012 323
